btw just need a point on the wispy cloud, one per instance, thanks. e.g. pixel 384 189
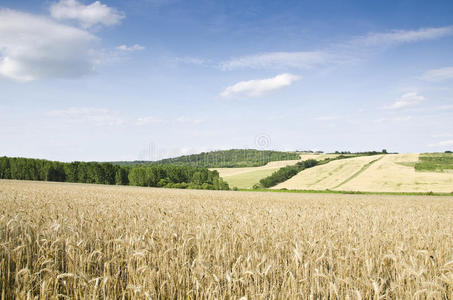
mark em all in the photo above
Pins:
pixel 403 36
pixel 402 118
pixel 337 53
pixel 277 60
pixel 259 87
pixel 33 47
pixel 191 60
pixel 131 48
pixel 87 15
pixel 406 100
pixel 438 74
pixel 179 120
pixel 442 144
pixel 96 116
pixel 443 135
pixel 185 120
pixel 148 120
pixel 328 118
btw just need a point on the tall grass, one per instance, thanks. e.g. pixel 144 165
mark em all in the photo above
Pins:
pixel 74 241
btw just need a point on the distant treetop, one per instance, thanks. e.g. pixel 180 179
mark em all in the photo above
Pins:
pixel 234 158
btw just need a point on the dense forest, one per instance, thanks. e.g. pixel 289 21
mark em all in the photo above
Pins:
pixel 170 176
pixel 235 158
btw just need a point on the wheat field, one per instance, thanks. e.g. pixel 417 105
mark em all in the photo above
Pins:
pixel 80 241
pixel 377 173
pixel 394 173
pixel 328 176
pixel 246 177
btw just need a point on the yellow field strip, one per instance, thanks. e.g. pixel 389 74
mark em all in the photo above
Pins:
pixel 358 172
pixel 394 173
pixel 247 177
pixel 326 176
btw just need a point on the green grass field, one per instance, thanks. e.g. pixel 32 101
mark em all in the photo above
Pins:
pixel 435 162
pixel 247 180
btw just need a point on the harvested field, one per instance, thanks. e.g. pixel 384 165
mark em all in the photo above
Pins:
pixel 80 241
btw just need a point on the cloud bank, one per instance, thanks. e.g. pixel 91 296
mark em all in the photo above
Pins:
pixel 33 47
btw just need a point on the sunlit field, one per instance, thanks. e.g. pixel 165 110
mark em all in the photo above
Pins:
pixel 387 173
pixel 80 241
pixel 246 178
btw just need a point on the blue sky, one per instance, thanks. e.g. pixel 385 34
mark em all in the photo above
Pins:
pixel 146 79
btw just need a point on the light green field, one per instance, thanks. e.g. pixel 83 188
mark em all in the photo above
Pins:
pixel 248 179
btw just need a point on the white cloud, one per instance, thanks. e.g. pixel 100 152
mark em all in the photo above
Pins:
pixel 87 15
pixel 277 60
pixel 327 118
pixel 347 51
pixel 404 36
pixel 440 135
pixel 149 120
pixel 185 120
pixel 96 116
pixel 406 100
pixel 179 120
pixel 135 47
pixel 255 88
pixel 33 47
pixel 438 74
pixel 442 144
pixel 402 118
pixel 191 60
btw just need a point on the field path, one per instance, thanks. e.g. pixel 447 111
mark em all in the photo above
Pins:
pixel 363 169
pixel 394 173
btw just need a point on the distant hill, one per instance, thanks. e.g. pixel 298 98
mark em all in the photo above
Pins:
pixel 235 158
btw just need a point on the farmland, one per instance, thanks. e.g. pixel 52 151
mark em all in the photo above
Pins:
pixel 382 173
pixel 328 176
pixel 80 241
pixel 247 177
pixel 435 162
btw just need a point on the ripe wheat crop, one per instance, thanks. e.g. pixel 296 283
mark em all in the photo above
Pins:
pixel 76 241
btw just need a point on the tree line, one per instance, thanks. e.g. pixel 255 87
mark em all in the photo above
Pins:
pixel 235 158
pixel 286 173
pixel 170 176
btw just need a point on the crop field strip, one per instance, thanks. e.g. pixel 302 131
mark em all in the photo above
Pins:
pixel 80 241
pixel 395 173
pixel 326 176
pixel 247 177
pixel 365 167
pixel 389 175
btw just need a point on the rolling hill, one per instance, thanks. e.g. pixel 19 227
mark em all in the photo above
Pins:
pixel 235 158
pixel 382 173
pixel 246 177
